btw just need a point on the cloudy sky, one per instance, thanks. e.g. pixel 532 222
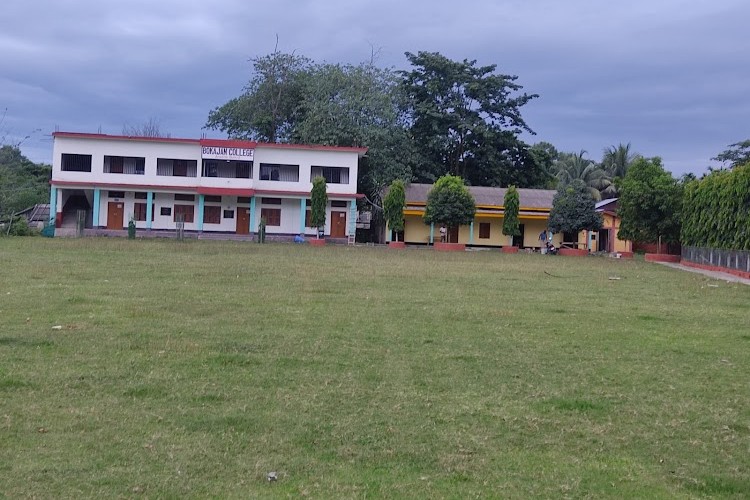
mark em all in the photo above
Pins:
pixel 669 76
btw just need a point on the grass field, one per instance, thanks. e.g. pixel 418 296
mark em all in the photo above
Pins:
pixel 192 369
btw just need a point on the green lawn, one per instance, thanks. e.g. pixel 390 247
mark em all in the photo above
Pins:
pixel 192 369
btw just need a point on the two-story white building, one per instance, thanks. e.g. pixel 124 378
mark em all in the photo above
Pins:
pixel 212 185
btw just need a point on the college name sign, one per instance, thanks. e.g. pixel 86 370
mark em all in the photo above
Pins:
pixel 220 153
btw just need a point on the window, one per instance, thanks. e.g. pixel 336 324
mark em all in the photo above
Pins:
pixel 184 197
pixel 271 201
pixel 166 211
pixel 184 212
pixel 279 172
pixel 308 218
pixel 229 214
pixel 332 175
pixel 115 164
pixel 124 165
pixel 242 169
pixel 179 168
pixel 211 215
pixel 139 195
pixel 139 211
pixel 176 168
pixel 272 216
pixel 243 200
pixel 228 169
pixel 338 204
pixel 484 230
pixel 210 169
pixel 116 194
pixel 76 163
pixel 212 199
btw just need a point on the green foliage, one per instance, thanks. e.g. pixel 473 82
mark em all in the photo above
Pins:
pixel 574 210
pixel 573 166
pixel 393 205
pixel 449 203
pixel 736 154
pixel 650 203
pixel 716 210
pixel 23 183
pixel 616 160
pixel 267 109
pixel 511 224
pixel 465 120
pixel 19 227
pixel 319 200
pixel 131 229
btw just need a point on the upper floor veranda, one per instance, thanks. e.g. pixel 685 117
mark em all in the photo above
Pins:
pixel 202 163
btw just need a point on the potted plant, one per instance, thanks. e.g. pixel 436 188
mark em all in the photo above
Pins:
pixel 318 202
pixel 393 206
pixel 511 225
pixel 449 204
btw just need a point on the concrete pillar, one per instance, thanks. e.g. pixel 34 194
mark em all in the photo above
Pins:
pixel 302 211
pixel 471 233
pixel 201 207
pixel 96 208
pixel 52 205
pixel 432 233
pixel 353 218
pixel 252 214
pixel 149 209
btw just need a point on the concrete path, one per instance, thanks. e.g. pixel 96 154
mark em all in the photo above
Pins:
pixel 711 274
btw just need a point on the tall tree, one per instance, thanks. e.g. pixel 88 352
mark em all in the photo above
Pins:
pixel 650 203
pixel 736 154
pixel 393 206
pixel 574 166
pixel 511 205
pixel 458 113
pixel 617 159
pixel 318 202
pixel 574 210
pixel 267 109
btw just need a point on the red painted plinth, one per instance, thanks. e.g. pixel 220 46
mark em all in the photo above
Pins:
pixel 708 267
pixel 316 243
pixel 662 257
pixel 510 249
pixel 396 244
pixel 576 252
pixel 450 247
pixel 626 255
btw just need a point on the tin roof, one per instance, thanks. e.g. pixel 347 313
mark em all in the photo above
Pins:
pixel 489 196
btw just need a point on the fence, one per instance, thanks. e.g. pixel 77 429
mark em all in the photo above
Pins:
pixel 738 260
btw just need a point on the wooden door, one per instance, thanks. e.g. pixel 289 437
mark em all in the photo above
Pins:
pixel 453 235
pixel 338 224
pixel 115 213
pixel 243 220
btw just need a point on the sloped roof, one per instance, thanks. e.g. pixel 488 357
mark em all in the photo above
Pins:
pixel 488 196
pixel 37 213
pixel 604 204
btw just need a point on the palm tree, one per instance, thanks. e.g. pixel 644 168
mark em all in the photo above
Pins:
pixel 617 160
pixel 571 166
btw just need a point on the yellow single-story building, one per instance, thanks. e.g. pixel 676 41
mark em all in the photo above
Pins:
pixel 487 228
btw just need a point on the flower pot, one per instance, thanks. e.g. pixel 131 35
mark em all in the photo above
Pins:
pixel 450 247
pixel 317 243
pixel 576 252
pixel 662 257
pixel 396 244
pixel 510 249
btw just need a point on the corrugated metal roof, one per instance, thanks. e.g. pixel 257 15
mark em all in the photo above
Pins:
pixel 492 196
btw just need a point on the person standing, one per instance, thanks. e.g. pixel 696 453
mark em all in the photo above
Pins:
pixel 543 241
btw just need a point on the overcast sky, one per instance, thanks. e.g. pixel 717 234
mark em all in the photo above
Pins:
pixel 669 76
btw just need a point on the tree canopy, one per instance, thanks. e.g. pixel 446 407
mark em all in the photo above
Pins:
pixel 464 119
pixel 650 203
pixel 511 204
pixel 736 154
pixel 449 203
pixel 23 183
pixel 574 210
pixel 393 206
